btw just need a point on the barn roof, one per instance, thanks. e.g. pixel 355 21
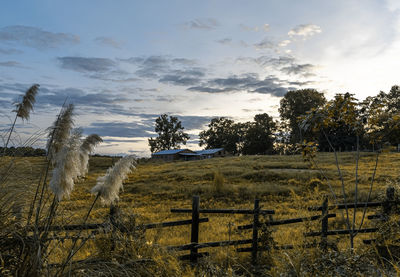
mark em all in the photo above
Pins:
pixel 169 152
pixel 209 151
pixel 189 154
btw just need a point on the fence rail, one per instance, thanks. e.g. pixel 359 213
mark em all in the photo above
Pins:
pixel 256 224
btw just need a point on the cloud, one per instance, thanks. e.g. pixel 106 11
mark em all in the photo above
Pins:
pixel 285 64
pixel 202 23
pixel 305 30
pixel 132 129
pixel 299 69
pixel 175 71
pixel 35 37
pixel 48 97
pixel 11 64
pixel 266 43
pixel 82 64
pixel 247 82
pixel 187 77
pixel 284 43
pixel 142 127
pixel 190 122
pixel 224 41
pixel 107 41
pixel 10 51
pixel 264 28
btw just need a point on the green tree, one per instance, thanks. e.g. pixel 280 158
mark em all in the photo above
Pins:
pixel 170 134
pixel 222 133
pixel 259 136
pixel 338 124
pixel 297 103
pixel 381 114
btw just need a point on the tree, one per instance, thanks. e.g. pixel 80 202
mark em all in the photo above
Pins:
pixel 170 134
pixel 381 115
pixel 259 138
pixel 336 125
pixel 222 133
pixel 295 104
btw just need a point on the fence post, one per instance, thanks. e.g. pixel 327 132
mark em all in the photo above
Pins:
pixel 324 224
pixel 256 222
pixel 387 206
pixel 194 237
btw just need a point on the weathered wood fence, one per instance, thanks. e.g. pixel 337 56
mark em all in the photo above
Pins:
pixel 258 222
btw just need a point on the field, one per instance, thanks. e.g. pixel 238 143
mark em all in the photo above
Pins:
pixel 286 184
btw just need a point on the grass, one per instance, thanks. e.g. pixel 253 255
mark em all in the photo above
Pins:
pixel 283 183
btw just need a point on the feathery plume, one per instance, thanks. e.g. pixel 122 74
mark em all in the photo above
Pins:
pixel 87 147
pixel 109 185
pixel 67 166
pixel 24 108
pixel 60 131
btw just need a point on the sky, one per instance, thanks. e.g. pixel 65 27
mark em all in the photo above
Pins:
pixel 123 63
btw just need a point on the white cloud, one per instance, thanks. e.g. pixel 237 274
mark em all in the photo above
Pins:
pixel 284 43
pixel 305 30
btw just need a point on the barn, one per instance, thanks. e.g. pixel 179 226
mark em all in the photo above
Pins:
pixel 212 153
pixel 176 154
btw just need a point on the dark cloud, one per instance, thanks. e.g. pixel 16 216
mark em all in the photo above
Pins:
pixel 11 64
pixel 175 71
pixel 187 77
pixel 299 69
pixel 142 127
pixel 100 102
pixel 36 37
pixel 119 129
pixel 82 64
pixel 10 51
pixel 194 122
pixel 107 41
pixel 211 90
pixel 248 82
pixel 202 23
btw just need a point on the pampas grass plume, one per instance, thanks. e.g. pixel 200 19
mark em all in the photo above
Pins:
pixel 67 166
pixel 86 148
pixel 60 131
pixel 109 185
pixel 24 108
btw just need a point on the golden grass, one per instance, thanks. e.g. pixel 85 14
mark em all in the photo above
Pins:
pixel 283 183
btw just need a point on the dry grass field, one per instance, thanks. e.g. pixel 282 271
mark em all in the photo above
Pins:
pixel 285 184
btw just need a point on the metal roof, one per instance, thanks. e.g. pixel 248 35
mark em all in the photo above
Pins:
pixel 169 152
pixel 189 154
pixel 209 151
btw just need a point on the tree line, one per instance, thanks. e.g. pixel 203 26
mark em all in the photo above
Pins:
pixel 343 123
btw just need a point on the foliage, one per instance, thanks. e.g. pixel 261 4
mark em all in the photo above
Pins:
pixel 295 104
pixel 259 138
pixel 221 133
pixel 23 151
pixel 381 115
pixel 248 138
pixel 337 123
pixel 170 134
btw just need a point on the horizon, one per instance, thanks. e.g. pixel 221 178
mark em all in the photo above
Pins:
pixel 122 65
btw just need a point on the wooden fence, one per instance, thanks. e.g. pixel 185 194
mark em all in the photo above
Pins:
pixel 258 222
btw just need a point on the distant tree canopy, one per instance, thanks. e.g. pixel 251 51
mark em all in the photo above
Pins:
pixel 25 151
pixel 170 134
pixel 297 103
pixel 240 138
pixel 221 133
pixel 259 135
